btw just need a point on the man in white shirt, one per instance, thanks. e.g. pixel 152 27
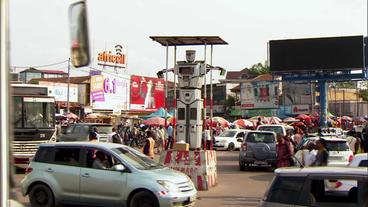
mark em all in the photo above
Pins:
pixel 110 137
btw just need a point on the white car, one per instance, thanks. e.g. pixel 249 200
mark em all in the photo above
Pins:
pixel 339 151
pixel 360 160
pixel 230 139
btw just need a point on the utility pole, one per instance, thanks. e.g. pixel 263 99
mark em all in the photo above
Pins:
pixel 67 99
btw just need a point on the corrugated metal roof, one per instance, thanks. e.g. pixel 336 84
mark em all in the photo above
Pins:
pixel 188 40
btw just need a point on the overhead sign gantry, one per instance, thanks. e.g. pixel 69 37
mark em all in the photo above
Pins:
pixel 319 60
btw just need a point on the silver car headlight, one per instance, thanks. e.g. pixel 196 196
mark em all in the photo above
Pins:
pixel 169 186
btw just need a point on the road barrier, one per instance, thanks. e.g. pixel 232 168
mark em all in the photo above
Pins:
pixel 200 166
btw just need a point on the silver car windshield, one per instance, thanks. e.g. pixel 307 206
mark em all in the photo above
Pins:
pixel 136 158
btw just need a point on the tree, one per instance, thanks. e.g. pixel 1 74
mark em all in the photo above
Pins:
pixel 260 68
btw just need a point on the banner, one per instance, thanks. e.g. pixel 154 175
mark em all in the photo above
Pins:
pixel 258 95
pixel 300 109
pixel 146 93
pixel 60 91
pixel 110 92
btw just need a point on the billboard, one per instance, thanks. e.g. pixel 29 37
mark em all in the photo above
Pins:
pixel 332 53
pixel 296 93
pixel 60 91
pixel 146 93
pixel 110 92
pixel 258 95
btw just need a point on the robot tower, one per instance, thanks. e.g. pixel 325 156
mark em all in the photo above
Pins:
pixel 189 102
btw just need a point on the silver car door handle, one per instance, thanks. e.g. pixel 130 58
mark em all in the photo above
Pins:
pixel 49 170
pixel 86 175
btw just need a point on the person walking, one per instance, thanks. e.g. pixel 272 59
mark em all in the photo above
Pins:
pixel 170 138
pixel 114 137
pixel 96 132
pixel 283 152
pixel 322 154
pixel 149 147
pixel 160 139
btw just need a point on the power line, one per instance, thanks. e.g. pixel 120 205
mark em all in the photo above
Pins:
pixel 40 66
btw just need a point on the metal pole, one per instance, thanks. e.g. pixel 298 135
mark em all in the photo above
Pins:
pixel 323 97
pixel 4 106
pixel 67 98
pixel 205 93
pixel 166 80
pixel 357 92
pixel 211 99
pixel 174 98
pixel 335 100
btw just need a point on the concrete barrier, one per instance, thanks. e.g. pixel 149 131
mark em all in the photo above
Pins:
pixel 200 166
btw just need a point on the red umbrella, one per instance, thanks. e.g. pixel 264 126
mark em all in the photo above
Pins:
pixel 217 119
pixel 154 121
pixel 70 115
pixel 303 117
pixel 298 124
pixel 243 123
pixel 347 118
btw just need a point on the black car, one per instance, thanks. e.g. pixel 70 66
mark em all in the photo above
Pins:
pixel 80 132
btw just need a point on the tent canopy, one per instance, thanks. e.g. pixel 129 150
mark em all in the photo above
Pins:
pixel 159 113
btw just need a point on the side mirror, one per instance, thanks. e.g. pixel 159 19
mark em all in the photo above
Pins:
pixel 79 34
pixel 119 168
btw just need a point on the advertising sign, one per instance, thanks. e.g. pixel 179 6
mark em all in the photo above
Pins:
pixel 115 57
pixel 261 112
pixel 146 93
pixel 300 109
pixel 60 91
pixel 296 93
pixel 258 95
pixel 110 92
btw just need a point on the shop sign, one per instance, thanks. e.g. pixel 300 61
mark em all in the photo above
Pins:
pixel 261 112
pixel 258 95
pixel 110 92
pixel 113 59
pixel 300 109
pixel 146 94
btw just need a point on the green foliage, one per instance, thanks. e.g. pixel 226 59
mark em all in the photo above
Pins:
pixel 364 94
pixel 350 85
pixel 260 68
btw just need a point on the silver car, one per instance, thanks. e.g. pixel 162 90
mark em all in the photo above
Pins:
pixel 258 148
pixel 102 174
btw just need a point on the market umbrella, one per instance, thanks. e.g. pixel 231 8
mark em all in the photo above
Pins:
pixel 94 115
pixel 71 115
pixel 303 117
pixel 346 118
pixel 243 123
pixel 274 120
pixel 154 121
pixel 217 119
pixel 298 124
pixel 290 120
pixel 171 120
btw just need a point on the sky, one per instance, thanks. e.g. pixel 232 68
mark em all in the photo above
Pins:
pixel 39 29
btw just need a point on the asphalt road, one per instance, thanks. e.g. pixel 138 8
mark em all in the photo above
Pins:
pixel 235 188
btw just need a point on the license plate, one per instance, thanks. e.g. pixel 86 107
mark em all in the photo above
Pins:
pixel 260 162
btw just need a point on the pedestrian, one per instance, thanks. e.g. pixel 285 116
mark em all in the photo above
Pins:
pixel 149 145
pixel 170 138
pixel 283 152
pixel 92 137
pixel 322 154
pixel 114 137
pixel 160 139
pixel 96 132
pixel 208 138
pixel 57 131
pixel 133 135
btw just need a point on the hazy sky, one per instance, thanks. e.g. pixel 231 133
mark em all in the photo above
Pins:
pixel 39 28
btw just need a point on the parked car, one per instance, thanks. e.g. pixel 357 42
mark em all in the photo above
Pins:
pixel 230 139
pixel 359 160
pixel 306 187
pixel 258 148
pixel 103 174
pixel 277 128
pixel 339 151
pixel 80 132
